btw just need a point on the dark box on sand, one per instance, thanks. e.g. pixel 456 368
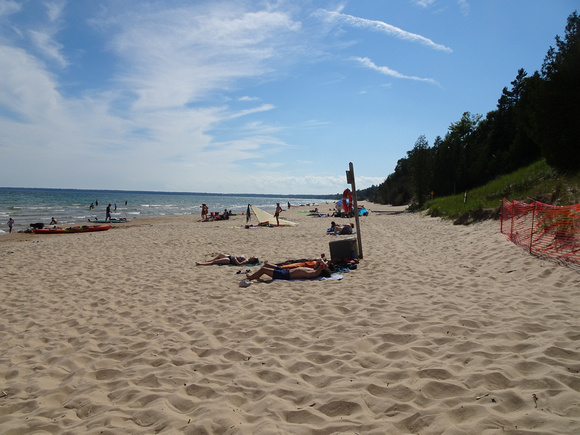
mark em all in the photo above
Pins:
pixel 343 249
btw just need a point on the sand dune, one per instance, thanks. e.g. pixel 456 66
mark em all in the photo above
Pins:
pixel 441 329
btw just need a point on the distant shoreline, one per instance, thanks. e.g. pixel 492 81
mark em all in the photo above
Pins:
pixel 157 192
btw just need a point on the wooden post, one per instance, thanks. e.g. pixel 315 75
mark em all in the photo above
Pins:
pixel 350 180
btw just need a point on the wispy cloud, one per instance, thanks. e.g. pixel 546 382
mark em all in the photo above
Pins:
pixel 379 26
pixel 366 62
pixel 180 56
pixel 164 97
pixel 54 10
pixel 423 3
pixel 463 7
pixel 262 108
pixel 46 44
pixel 426 4
pixel 9 7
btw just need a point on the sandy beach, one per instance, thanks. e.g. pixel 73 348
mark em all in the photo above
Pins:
pixel 441 329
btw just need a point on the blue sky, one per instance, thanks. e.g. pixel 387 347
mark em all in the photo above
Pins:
pixel 248 96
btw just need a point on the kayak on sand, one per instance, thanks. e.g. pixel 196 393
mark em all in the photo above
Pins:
pixel 83 229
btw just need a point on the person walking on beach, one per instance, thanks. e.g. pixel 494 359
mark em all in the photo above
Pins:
pixel 204 212
pixel 10 223
pixel 108 214
pixel 277 213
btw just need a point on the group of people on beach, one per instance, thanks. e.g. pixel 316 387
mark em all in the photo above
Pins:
pixel 274 271
pixel 205 217
pixel 55 222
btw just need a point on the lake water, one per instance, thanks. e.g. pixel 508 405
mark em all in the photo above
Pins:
pixel 71 206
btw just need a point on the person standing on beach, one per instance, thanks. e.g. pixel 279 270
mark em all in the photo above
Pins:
pixel 108 213
pixel 204 212
pixel 10 223
pixel 277 213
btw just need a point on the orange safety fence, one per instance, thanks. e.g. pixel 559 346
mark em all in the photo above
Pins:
pixel 542 229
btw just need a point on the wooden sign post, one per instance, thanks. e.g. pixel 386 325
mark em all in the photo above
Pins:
pixel 350 180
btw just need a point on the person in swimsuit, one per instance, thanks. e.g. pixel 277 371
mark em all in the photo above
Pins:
pixel 277 272
pixel 277 213
pixel 236 260
pixel 340 229
pixel 204 212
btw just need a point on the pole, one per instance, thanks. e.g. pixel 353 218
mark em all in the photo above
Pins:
pixel 350 179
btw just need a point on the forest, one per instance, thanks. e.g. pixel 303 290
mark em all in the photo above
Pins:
pixel 537 117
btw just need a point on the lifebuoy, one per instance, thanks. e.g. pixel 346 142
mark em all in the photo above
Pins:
pixel 347 201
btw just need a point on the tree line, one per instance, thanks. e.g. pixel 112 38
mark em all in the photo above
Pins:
pixel 537 117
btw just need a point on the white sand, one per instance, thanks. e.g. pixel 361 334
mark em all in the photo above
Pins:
pixel 441 329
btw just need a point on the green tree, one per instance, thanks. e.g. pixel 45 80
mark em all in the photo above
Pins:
pixel 557 102
pixel 454 152
pixel 396 189
pixel 420 163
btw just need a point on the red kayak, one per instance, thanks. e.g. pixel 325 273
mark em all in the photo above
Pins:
pixel 82 229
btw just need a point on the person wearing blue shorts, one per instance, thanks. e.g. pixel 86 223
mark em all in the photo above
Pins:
pixel 276 272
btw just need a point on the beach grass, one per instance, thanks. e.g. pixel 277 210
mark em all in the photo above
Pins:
pixel 537 182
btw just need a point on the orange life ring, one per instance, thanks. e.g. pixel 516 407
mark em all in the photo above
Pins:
pixel 347 201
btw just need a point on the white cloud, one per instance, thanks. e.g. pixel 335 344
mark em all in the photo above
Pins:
pixel 179 56
pixel 54 10
pixel 463 7
pixel 365 61
pixel 262 108
pixel 423 3
pixel 333 16
pixel 9 7
pixel 45 43
pixel 148 124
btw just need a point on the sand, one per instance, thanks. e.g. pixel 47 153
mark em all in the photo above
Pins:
pixel 441 329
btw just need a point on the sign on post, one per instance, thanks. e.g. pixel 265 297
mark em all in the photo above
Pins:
pixel 350 180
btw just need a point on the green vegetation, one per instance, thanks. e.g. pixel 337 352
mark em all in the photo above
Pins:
pixel 537 182
pixel 535 120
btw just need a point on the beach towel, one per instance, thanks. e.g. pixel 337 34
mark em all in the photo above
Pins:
pixel 334 276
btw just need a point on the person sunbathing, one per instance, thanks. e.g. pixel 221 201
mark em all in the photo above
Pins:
pixel 236 260
pixel 340 229
pixel 277 272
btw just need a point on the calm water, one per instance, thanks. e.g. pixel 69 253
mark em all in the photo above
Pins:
pixel 71 206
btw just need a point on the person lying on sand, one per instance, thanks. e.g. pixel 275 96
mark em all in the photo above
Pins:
pixel 340 229
pixel 236 260
pixel 277 272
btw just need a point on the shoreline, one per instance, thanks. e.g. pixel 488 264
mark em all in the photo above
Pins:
pixel 441 328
